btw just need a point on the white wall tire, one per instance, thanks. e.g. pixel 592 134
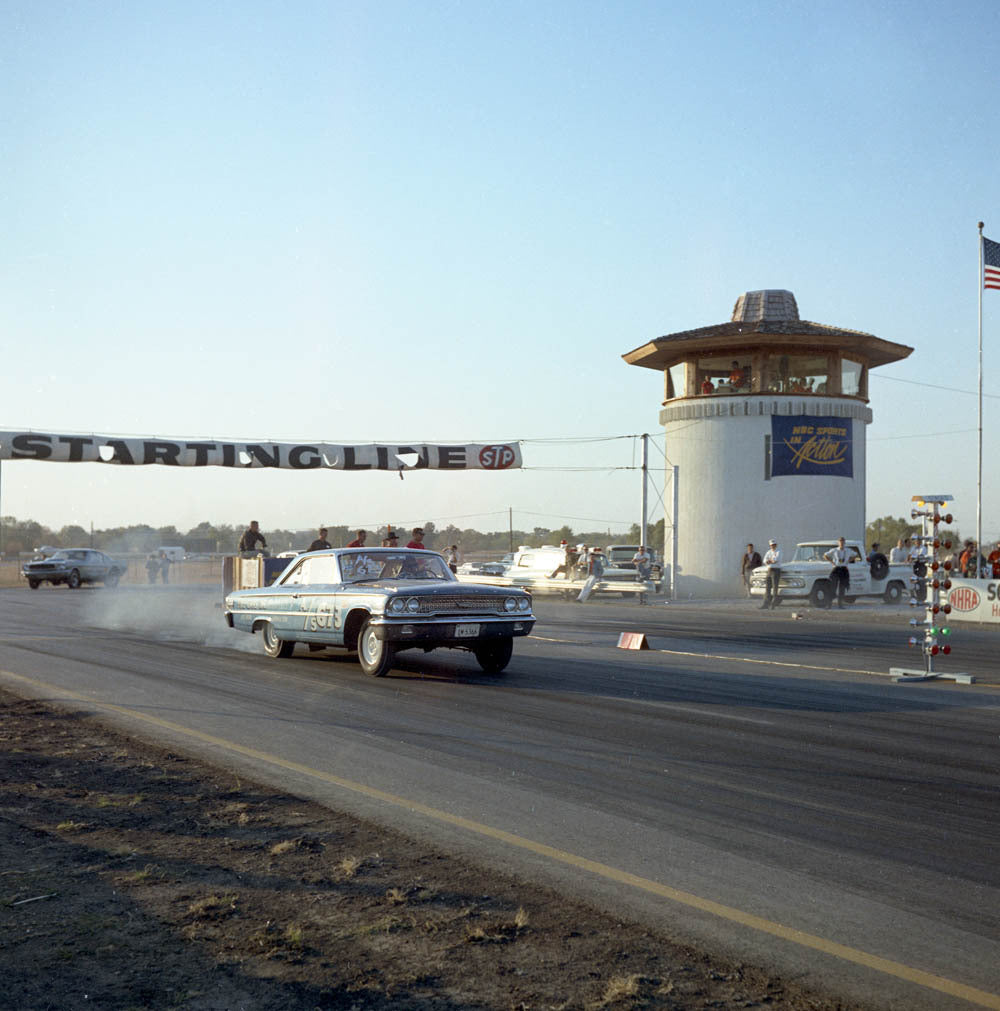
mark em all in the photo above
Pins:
pixel 374 654
pixel 273 645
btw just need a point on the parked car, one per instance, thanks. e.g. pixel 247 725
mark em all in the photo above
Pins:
pixel 74 566
pixel 482 569
pixel 620 556
pixel 380 601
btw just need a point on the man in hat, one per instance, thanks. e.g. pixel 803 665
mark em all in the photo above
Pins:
pixel 418 539
pixel 772 559
pixel 391 539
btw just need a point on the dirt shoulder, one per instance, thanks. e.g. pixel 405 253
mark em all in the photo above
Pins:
pixel 138 878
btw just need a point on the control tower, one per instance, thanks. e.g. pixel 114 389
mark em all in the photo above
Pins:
pixel 765 421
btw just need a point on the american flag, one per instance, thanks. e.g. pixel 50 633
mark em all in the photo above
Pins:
pixel 991 263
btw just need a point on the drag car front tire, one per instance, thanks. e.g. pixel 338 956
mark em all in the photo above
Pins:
pixel 73 580
pixel 374 654
pixel 494 655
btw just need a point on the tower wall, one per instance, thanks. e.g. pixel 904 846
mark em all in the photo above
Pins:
pixel 725 498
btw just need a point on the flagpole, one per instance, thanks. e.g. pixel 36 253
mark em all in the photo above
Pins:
pixel 979 487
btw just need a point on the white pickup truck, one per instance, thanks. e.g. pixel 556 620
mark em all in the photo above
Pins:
pixel 807 575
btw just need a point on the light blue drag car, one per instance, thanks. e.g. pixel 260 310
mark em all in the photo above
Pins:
pixel 380 601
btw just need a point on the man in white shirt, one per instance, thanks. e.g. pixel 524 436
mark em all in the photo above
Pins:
pixel 642 563
pixel 840 578
pixel 772 559
pixel 898 553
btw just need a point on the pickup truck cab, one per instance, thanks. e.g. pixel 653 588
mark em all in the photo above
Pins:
pixel 807 575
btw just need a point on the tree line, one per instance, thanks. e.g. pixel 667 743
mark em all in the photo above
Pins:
pixel 26 536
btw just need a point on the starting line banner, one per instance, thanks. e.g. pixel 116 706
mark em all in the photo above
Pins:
pixel 135 452
pixel 975 600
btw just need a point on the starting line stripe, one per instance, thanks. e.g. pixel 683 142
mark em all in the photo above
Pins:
pixel 941 984
pixel 733 659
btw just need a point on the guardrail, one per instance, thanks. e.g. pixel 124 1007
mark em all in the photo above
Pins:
pixel 567 587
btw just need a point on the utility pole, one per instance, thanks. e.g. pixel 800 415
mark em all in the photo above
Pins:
pixel 644 501
pixel 510 526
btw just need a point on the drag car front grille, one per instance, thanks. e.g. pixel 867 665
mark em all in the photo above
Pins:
pixel 461 604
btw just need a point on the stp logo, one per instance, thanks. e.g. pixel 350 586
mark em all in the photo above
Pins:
pixel 497 457
pixel 964 598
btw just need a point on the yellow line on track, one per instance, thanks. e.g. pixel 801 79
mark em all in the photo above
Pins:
pixel 941 984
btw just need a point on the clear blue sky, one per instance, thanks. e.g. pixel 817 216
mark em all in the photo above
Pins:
pixel 423 221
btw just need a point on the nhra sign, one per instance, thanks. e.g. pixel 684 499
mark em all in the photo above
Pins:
pixel 807 445
pixel 133 452
pixel 975 600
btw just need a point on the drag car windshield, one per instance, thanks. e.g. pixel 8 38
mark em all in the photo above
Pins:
pixel 62 556
pixel 362 567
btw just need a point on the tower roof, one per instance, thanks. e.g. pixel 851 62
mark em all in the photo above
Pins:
pixel 765 318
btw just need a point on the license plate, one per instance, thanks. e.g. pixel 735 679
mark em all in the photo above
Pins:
pixel 466 631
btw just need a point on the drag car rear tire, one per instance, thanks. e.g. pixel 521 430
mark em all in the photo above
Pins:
pixel 112 579
pixel 275 646
pixel 374 654
pixel 73 580
pixel 494 654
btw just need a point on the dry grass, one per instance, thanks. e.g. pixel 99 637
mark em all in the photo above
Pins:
pixel 350 865
pixel 214 905
pixel 620 988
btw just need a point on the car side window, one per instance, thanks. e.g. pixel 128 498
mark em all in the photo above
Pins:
pixel 321 569
pixel 294 578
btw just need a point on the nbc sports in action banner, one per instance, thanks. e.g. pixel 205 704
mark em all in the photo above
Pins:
pixel 807 445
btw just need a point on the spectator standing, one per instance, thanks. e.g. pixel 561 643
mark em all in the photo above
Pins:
pixel 418 539
pixel 751 561
pixel 643 562
pixel 250 539
pixel 152 567
pixel 994 560
pixel 451 557
pixel 898 553
pixel 582 566
pixel 840 577
pixel 737 377
pixel 391 539
pixel 321 543
pixel 359 539
pixel 772 559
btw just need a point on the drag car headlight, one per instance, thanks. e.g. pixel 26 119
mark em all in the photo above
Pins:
pixel 523 604
pixel 397 605
pixel 510 604
pixel 412 605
